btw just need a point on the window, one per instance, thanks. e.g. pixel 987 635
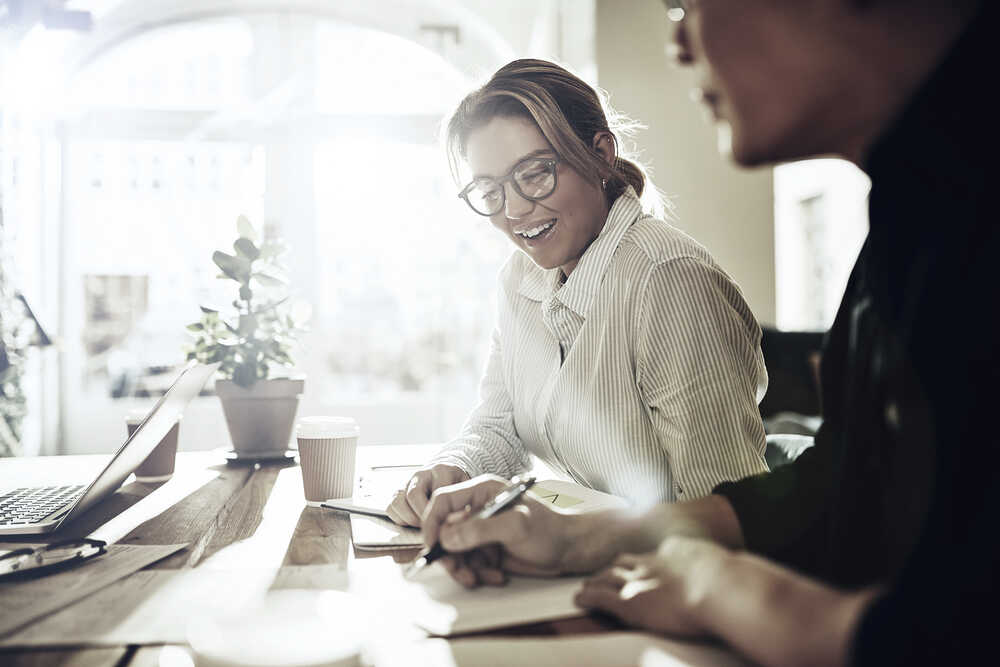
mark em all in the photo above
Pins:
pixel 334 142
pixel 821 219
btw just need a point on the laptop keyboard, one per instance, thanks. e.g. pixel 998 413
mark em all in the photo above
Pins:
pixel 29 505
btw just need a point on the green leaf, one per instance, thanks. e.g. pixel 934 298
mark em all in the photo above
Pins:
pixel 246 249
pixel 207 310
pixel 245 229
pixel 197 326
pixel 236 268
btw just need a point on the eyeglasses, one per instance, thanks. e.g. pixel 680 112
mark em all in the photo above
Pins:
pixel 533 178
pixel 50 556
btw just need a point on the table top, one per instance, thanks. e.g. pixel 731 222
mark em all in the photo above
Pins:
pixel 231 516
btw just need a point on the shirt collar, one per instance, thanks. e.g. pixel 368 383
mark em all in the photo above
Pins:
pixel 578 291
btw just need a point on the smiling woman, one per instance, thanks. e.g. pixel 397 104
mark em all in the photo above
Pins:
pixel 624 357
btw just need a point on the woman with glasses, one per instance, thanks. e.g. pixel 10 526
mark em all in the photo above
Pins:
pixel 624 357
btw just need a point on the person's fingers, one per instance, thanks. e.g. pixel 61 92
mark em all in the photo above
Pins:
pixel 491 577
pixel 505 528
pixel 418 491
pixel 481 559
pixel 473 493
pixel 446 476
pixel 449 563
pixel 628 560
pixel 613 577
pixel 600 597
pixel 465 575
pixel 401 512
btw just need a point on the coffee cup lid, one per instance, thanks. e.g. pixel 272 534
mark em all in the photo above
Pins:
pixel 326 427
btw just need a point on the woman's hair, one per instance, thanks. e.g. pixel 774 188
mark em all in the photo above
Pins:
pixel 567 111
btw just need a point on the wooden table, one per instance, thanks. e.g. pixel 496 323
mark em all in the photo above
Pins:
pixel 237 516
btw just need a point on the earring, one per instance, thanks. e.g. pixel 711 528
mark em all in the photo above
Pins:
pixel 604 184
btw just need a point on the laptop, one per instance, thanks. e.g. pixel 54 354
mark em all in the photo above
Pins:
pixel 43 509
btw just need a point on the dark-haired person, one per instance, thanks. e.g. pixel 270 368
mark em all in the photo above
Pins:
pixel 624 356
pixel 879 544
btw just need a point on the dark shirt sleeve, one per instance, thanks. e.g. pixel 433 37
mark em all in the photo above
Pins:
pixel 784 513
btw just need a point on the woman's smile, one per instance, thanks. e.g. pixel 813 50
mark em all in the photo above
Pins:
pixel 535 233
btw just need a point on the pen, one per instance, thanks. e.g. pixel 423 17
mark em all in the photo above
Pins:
pixel 504 499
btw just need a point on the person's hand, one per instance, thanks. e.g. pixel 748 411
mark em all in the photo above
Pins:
pixel 408 504
pixel 660 591
pixel 530 538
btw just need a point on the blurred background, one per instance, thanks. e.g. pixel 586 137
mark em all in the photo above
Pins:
pixel 134 132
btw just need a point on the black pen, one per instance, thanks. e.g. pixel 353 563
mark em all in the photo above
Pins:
pixel 506 498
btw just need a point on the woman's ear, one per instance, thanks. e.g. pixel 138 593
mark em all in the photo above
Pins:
pixel 604 144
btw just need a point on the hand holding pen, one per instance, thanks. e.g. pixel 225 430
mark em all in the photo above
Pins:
pixel 501 501
pixel 529 537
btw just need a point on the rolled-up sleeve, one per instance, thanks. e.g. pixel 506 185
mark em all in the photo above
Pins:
pixel 701 374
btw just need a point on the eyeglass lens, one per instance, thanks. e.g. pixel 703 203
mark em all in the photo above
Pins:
pixel 533 179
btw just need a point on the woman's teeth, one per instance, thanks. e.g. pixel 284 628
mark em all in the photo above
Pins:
pixel 535 231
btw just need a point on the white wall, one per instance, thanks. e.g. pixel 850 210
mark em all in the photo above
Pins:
pixel 730 211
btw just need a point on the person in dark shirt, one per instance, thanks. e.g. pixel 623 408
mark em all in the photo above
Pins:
pixel 879 544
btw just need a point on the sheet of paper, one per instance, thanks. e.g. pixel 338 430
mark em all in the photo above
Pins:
pixel 567 495
pixel 591 650
pixel 28 600
pixel 373 533
pixel 375 489
pixel 440 605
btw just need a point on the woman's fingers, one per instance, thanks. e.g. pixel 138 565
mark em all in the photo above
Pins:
pixel 417 493
pixel 400 512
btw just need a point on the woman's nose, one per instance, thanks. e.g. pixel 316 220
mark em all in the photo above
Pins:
pixel 516 206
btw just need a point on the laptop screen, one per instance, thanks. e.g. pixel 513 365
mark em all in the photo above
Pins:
pixel 146 436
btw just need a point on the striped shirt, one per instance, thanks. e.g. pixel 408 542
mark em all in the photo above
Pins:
pixel 640 376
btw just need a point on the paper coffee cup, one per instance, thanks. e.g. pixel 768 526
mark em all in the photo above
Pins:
pixel 159 465
pixel 327 447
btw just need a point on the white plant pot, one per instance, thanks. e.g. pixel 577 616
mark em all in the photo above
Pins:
pixel 260 418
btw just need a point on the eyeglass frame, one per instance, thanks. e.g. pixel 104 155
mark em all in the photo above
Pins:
pixel 32 559
pixel 551 164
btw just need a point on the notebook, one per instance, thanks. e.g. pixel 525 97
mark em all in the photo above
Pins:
pixel 372 529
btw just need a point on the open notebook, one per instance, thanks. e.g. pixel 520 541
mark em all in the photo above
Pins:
pixel 371 528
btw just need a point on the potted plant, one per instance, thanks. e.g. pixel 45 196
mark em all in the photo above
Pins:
pixel 252 342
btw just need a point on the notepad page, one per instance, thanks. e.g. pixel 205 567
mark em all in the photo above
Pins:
pixel 374 533
pixel 444 607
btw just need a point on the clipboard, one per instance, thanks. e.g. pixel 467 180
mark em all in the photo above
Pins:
pixel 40 560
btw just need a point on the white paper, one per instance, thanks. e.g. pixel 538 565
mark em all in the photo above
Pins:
pixel 373 533
pixel 590 650
pixel 570 496
pixel 376 489
pixel 436 602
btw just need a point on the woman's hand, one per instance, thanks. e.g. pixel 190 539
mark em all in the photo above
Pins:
pixel 530 538
pixel 661 592
pixel 408 504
